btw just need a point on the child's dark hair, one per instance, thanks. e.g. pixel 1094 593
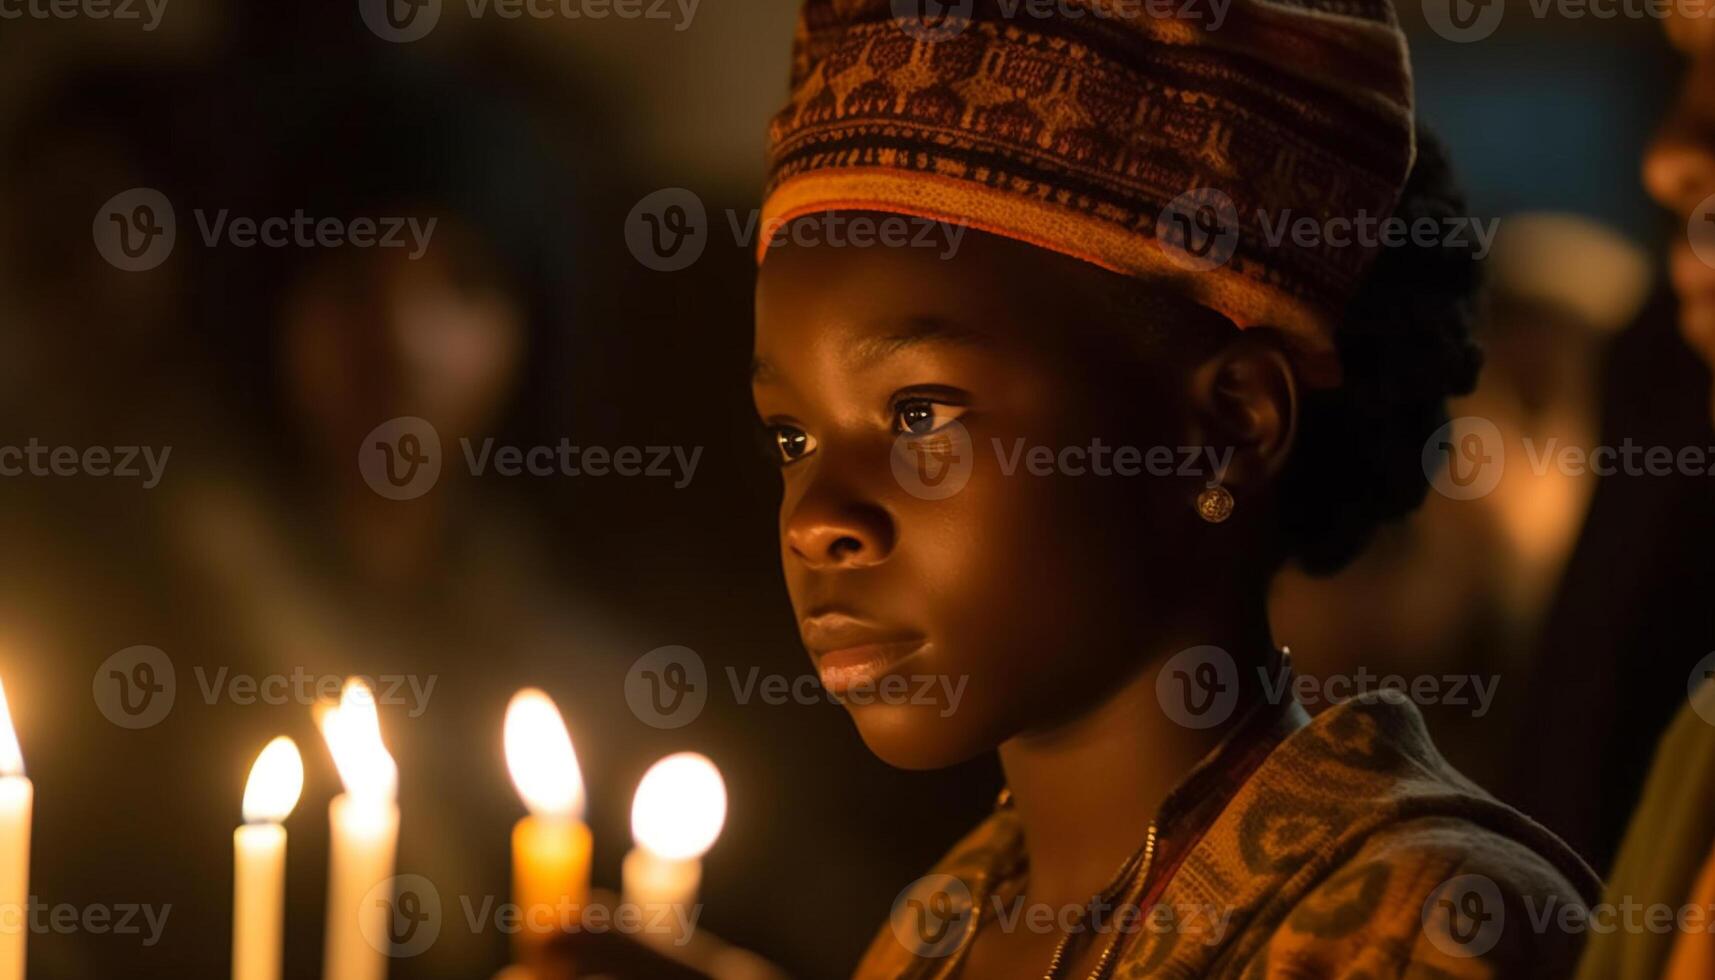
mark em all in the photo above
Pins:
pixel 1406 347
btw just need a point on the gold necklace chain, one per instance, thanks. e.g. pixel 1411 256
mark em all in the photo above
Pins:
pixel 1132 877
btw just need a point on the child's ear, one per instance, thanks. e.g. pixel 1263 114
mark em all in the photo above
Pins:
pixel 1245 396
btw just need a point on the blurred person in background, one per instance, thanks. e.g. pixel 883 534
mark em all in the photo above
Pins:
pixel 1629 620
pixel 1667 860
pixel 356 534
pixel 1463 588
pixel 264 552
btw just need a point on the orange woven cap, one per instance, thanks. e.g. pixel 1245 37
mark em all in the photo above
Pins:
pixel 1164 139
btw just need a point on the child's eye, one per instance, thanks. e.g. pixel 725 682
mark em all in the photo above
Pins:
pixel 922 416
pixel 789 443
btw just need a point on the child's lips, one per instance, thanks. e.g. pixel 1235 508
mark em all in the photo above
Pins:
pixel 850 651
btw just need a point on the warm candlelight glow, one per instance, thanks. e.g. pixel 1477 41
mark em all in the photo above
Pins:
pixel 363 826
pixel 353 734
pixel 17 800
pixel 11 756
pixel 679 808
pixel 540 757
pixel 275 782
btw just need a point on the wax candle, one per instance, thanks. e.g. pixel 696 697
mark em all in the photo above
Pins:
pixel 676 816
pixel 17 796
pixel 550 847
pixel 363 826
pixel 259 861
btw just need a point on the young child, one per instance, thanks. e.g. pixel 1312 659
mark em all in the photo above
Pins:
pixel 1101 192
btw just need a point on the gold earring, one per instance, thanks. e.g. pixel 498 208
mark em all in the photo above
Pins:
pixel 1215 504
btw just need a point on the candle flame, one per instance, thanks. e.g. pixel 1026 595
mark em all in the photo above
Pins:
pixel 11 756
pixel 276 780
pixel 353 734
pixel 540 757
pixel 680 807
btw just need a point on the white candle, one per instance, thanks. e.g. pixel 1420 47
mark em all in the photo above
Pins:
pixel 259 861
pixel 550 847
pixel 16 799
pixel 363 825
pixel 676 816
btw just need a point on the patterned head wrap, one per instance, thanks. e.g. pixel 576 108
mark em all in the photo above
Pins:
pixel 1163 139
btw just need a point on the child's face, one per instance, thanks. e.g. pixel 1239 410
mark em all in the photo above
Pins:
pixel 958 567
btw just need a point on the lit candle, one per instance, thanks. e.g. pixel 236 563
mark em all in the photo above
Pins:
pixel 259 861
pixel 676 816
pixel 16 798
pixel 550 847
pixel 363 825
